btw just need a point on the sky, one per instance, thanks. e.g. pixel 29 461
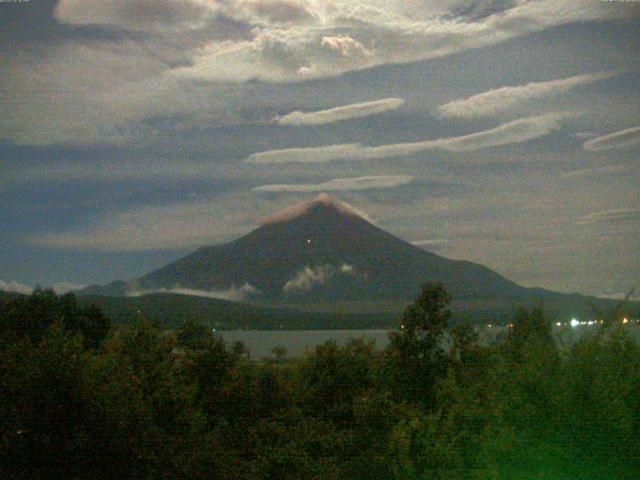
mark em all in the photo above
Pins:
pixel 506 132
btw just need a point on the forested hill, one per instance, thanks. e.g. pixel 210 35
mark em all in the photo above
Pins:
pixel 171 310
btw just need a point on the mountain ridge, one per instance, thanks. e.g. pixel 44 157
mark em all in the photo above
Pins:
pixel 326 252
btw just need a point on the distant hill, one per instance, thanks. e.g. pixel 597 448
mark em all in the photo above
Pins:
pixel 325 256
pixel 172 310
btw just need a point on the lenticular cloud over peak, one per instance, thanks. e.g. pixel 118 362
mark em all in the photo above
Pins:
pixel 299 209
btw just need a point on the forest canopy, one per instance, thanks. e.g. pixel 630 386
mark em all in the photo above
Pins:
pixel 80 398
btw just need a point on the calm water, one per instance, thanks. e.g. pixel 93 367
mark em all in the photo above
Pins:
pixel 297 342
pixel 261 342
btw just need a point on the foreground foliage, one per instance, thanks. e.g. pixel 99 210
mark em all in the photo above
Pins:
pixel 78 400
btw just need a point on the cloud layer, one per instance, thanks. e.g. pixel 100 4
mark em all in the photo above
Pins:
pixel 185 55
pixel 505 99
pixel 516 131
pixel 621 139
pixel 341 184
pixel 337 114
pixel 332 38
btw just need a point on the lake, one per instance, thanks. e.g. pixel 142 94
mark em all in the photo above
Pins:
pixel 261 342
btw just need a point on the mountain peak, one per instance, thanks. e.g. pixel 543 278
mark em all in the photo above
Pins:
pixel 322 201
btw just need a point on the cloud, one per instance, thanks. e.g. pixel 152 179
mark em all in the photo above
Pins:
pixel 346 112
pixel 621 139
pixel 350 35
pixel 15 287
pixel 504 99
pixel 134 15
pixel 608 216
pixel 344 46
pixel 516 131
pixel 327 153
pixel 233 294
pixel 180 225
pixel 434 243
pixel 596 172
pixel 309 277
pixel 275 11
pixel 585 134
pixel 621 295
pixel 180 15
pixel 59 288
pixel 192 53
pixel 342 184
pixel 65 287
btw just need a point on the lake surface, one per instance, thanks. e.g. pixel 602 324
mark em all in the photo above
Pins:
pixel 261 342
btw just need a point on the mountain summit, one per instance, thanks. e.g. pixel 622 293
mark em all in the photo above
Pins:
pixel 324 252
pixel 322 201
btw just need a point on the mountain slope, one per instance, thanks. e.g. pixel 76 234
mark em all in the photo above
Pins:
pixel 325 253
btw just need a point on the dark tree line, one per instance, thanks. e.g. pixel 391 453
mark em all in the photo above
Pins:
pixel 81 400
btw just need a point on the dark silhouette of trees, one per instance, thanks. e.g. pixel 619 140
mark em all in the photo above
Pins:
pixel 417 351
pixel 31 317
pixel 438 402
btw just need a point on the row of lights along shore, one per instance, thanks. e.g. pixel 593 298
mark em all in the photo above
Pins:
pixel 576 323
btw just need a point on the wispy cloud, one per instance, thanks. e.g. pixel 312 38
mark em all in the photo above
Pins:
pixel 234 294
pixel 337 114
pixel 621 139
pixel 616 215
pixel 504 99
pixel 179 225
pixel 311 277
pixel 64 287
pixel 596 171
pixel 432 243
pixel 629 295
pixel 59 288
pixel 585 134
pixel 15 287
pixel 516 131
pixel 341 184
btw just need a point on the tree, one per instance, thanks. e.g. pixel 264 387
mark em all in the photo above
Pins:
pixel 94 326
pixel 419 359
pixel 32 316
pixel 194 336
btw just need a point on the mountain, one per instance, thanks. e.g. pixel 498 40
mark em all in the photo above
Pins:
pixel 325 255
